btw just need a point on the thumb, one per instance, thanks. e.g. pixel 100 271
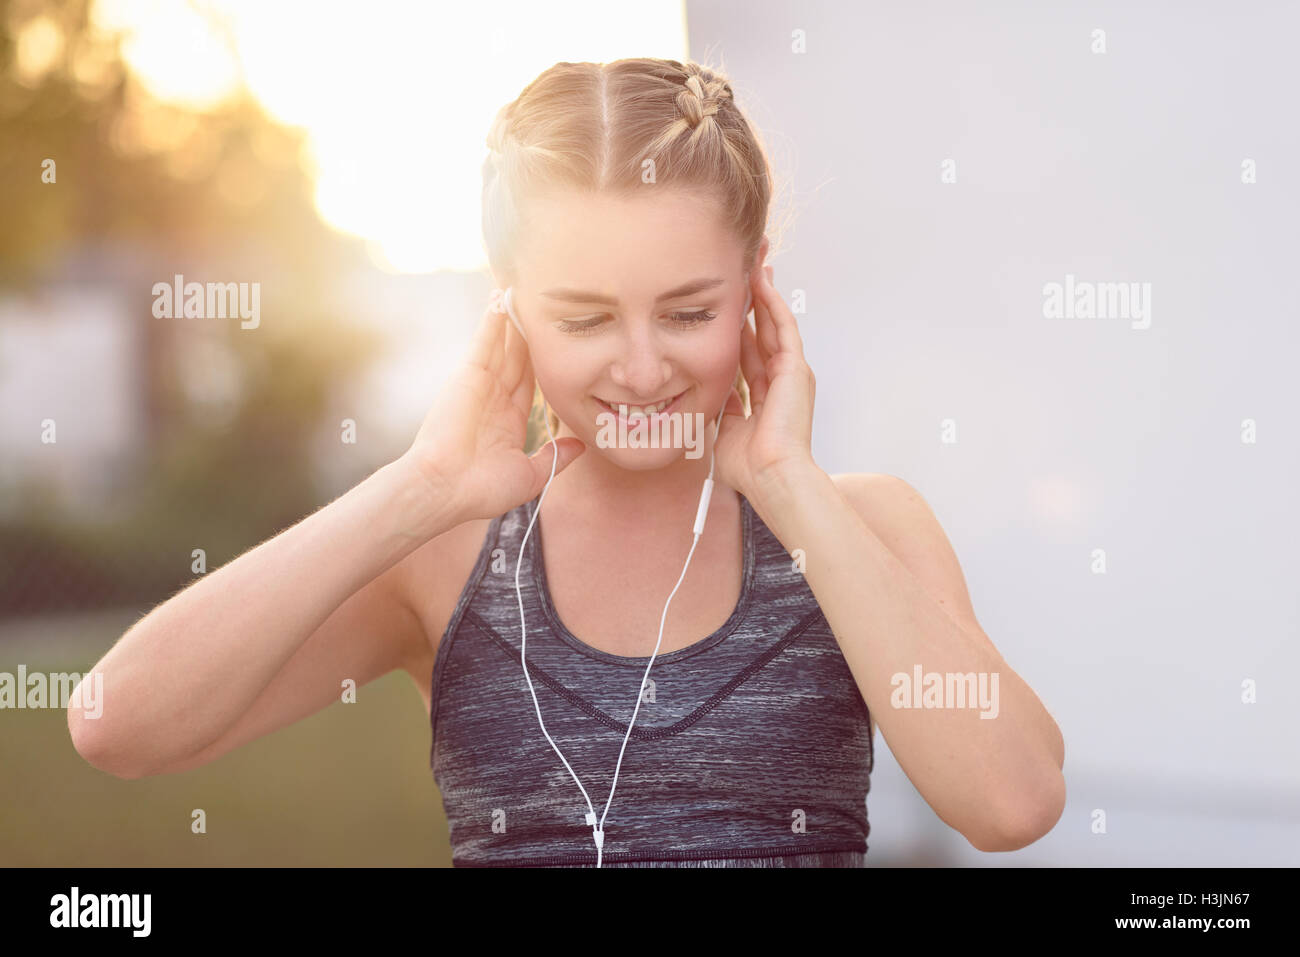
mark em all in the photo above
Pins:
pixel 570 449
pixel 735 407
pixel 733 415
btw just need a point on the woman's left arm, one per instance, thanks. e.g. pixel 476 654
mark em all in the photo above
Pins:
pixel 891 589
pixel 991 769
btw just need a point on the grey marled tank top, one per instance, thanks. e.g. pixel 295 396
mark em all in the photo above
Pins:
pixel 752 747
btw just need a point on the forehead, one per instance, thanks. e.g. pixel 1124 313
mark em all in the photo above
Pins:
pixel 621 243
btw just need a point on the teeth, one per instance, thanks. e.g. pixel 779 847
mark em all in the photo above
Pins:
pixel 641 410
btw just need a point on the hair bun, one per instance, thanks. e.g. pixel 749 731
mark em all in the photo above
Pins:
pixel 702 96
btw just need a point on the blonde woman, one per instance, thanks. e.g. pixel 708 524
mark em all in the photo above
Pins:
pixel 625 207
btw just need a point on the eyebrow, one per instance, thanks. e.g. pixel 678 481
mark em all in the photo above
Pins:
pixel 582 295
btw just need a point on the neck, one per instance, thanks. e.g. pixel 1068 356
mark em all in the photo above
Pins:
pixel 637 502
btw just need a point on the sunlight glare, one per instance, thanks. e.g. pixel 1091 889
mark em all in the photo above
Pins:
pixel 397 98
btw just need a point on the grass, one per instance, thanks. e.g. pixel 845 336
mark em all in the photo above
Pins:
pixel 349 786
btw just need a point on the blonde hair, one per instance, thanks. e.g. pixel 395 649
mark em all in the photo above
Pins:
pixel 594 127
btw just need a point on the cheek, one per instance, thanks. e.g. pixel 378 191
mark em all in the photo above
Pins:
pixel 561 377
pixel 719 359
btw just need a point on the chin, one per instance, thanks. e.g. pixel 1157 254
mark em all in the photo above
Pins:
pixel 642 460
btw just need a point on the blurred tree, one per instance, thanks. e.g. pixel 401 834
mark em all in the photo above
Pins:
pixel 148 190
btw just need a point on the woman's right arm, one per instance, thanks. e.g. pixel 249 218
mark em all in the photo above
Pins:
pixel 185 675
pixel 270 637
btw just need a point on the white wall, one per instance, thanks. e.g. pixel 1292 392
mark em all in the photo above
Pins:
pixel 925 303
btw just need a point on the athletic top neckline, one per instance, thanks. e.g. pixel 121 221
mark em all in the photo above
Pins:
pixel 751 747
pixel 534 551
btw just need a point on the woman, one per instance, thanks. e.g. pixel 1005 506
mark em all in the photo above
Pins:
pixel 624 208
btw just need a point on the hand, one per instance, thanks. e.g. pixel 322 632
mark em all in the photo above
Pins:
pixel 756 454
pixel 470 447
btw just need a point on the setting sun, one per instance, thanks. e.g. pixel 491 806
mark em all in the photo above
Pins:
pixel 396 105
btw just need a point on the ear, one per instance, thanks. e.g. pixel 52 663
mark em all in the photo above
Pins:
pixel 760 259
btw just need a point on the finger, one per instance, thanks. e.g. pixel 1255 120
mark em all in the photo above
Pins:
pixel 498 346
pixel 763 326
pixel 486 349
pixel 752 367
pixel 522 394
pixel 782 319
pixel 557 454
pixel 516 354
pixel 735 404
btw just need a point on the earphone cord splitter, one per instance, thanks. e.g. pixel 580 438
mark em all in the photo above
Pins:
pixel 598 829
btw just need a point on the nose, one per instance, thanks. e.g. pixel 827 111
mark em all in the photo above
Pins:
pixel 642 370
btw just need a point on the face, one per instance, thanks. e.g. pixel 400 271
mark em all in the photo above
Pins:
pixel 632 300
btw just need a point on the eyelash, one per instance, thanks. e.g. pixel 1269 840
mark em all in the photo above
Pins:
pixel 686 319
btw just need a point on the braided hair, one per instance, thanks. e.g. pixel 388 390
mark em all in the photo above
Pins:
pixel 614 127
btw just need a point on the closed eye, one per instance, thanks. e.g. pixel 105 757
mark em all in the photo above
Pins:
pixel 583 326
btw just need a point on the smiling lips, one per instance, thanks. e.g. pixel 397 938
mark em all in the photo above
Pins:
pixel 631 410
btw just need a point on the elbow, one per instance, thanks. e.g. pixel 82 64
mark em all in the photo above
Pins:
pixel 1058 750
pixel 94 747
pixel 1028 823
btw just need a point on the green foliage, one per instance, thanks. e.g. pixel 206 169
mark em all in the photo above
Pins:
pixel 146 190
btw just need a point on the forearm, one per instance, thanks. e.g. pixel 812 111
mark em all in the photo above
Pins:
pixel 986 778
pixel 179 677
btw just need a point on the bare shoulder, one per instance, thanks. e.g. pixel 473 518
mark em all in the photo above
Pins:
pixel 906 524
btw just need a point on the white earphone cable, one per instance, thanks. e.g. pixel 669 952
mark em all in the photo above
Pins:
pixel 598 831
pixel 599 828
